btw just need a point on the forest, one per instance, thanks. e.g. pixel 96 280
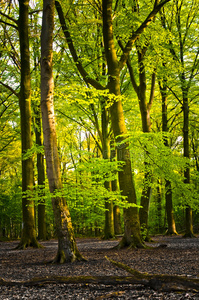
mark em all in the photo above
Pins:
pixel 98 121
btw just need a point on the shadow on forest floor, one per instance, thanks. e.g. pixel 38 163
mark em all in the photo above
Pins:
pixel 180 257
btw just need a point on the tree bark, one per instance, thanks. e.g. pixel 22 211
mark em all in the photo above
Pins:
pixel 168 190
pixel 163 283
pixel 41 179
pixel 132 227
pixel 67 248
pixel 146 127
pixel 28 228
pixel 131 217
pixel 109 223
pixel 115 187
pixel 188 219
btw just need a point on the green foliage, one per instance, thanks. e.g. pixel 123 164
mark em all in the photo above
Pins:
pixel 171 43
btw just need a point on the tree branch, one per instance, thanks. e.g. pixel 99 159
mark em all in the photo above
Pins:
pixel 9 24
pixel 11 19
pixel 82 71
pixel 137 33
pixel 10 89
pixel 152 93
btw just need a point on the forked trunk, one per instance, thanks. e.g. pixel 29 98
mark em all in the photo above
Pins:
pixel 131 218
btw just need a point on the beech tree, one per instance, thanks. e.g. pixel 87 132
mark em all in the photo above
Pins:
pixel 67 248
pixel 186 73
pixel 28 227
pixel 131 217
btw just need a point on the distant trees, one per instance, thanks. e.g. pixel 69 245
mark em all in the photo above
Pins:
pixel 110 62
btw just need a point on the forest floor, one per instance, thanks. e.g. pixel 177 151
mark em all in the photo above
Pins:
pixel 179 257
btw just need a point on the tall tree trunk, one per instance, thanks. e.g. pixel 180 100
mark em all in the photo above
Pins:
pixel 67 248
pixel 116 211
pixel 114 186
pixel 159 209
pixel 131 217
pixel 188 219
pixel 41 179
pixel 146 127
pixel 28 229
pixel 109 222
pixel 168 189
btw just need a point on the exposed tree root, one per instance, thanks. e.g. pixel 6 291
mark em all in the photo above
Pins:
pixel 132 245
pixel 189 235
pixel 114 280
pixel 61 258
pixel 171 233
pixel 164 283
pixel 24 244
pixel 161 282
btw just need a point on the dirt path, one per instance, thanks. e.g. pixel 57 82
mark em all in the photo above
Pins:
pixel 179 257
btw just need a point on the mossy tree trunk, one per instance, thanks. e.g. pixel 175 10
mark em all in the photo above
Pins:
pixel 145 108
pixel 28 229
pixel 131 217
pixel 67 248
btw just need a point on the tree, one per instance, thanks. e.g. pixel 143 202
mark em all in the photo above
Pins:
pixel 131 218
pixel 28 234
pixel 67 248
pixel 168 188
pixel 187 66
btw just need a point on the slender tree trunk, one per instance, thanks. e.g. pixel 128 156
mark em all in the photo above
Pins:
pixel 114 186
pixel 159 209
pixel 168 189
pixel 67 248
pixel 116 211
pixel 109 222
pixel 169 209
pixel 131 216
pixel 188 219
pixel 41 179
pixel 146 127
pixel 28 229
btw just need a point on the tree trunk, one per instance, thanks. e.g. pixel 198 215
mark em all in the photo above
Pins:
pixel 168 190
pixel 114 187
pixel 28 228
pixel 188 219
pixel 109 223
pixel 131 217
pixel 145 202
pixel 146 127
pixel 41 179
pixel 169 210
pixel 67 248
